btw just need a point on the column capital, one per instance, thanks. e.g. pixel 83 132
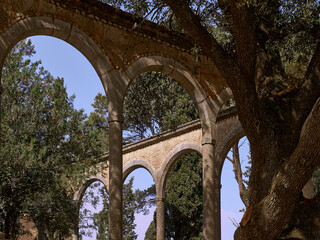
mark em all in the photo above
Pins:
pixel 208 140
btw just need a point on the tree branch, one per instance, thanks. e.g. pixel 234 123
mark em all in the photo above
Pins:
pixel 243 87
pixel 230 159
pixel 309 90
pixel 238 174
pixel 243 28
pixel 200 36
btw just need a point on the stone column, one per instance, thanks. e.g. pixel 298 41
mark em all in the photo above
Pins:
pixel 115 179
pixel 211 192
pixel 160 219
pixel 74 237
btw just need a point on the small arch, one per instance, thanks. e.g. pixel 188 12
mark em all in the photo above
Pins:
pixel 82 189
pixel 137 163
pixel 171 159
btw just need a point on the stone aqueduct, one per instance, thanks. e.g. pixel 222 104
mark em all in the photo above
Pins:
pixel 120 47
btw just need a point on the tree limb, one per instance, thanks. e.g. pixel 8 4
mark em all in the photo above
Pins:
pixel 199 34
pixel 243 87
pixel 243 29
pixel 308 91
pixel 238 174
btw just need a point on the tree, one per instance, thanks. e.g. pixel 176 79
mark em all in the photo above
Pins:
pixel 98 120
pixel 271 63
pixel 240 176
pixel 43 142
pixel 151 233
pixel 183 202
pixel 134 201
pixel 281 103
pixel 155 103
pixel 184 199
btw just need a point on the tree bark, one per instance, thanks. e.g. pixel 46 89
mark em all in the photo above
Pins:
pixel 269 217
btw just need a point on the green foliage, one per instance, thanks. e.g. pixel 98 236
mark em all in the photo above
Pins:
pixel 155 103
pixel 129 206
pixel 153 10
pixel 184 199
pixel 151 233
pixel 43 140
pixel 133 202
pixel 98 121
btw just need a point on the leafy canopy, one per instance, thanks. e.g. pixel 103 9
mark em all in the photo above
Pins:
pixel 155 103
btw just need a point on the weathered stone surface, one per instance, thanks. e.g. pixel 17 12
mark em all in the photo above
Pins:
pixel 122 37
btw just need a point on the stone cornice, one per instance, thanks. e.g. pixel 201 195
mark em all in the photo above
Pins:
pixel 182 129
pixel 126 21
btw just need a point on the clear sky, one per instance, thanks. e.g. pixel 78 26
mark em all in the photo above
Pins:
pixel 61 59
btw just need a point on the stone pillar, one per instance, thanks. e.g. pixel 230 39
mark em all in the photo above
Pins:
pixel 211 192
pixel 115 179
pixel 74 237
pixel 160 225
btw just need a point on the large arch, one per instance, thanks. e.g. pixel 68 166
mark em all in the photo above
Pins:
pixel 175 70
pixel 170 67
pixel 43 25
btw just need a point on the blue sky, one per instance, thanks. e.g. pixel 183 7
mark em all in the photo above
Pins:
pixel 61 59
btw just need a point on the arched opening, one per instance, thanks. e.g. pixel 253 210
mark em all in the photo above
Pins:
pixel 44 132
pixel 234 181
pixel 184 198
pixel 139 199
pixel 155 103
pixel 63 60
pixel 93 212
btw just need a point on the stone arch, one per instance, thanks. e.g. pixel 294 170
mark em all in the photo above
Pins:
pixel 171 159
pixel 43 25
pixel 137 163
pixel 172 68
pixel 82 189
pixel 225 145
pixel 221 99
